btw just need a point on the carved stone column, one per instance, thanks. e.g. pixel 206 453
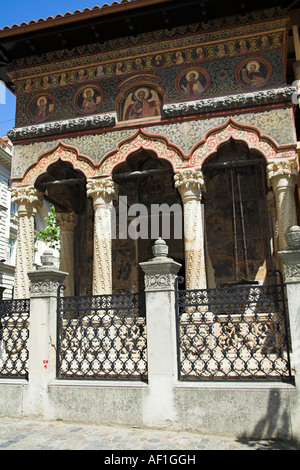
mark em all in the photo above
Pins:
pixel 26 198
pixel 282 177
pixel 102 192
pixel 190 184
pixel 67 222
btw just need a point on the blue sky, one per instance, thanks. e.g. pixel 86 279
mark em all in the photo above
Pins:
pixel 19 11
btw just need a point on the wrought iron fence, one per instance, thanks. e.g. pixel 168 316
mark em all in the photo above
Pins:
pixel 102 337
pixel 14 334
pixel 238 332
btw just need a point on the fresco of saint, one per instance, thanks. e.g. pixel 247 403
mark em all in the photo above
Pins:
pixel 253 73
pixel 141 103
pixel 41 108
pixel 88 99
pixel 192 83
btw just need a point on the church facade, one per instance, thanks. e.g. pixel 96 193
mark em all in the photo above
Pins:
pixel 191 124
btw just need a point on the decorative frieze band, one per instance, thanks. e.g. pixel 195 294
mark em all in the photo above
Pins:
pixel 240 100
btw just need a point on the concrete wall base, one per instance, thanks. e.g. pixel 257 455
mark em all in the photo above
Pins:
pixel 266 411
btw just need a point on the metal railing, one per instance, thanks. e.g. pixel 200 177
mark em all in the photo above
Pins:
pixel 239 332
pixel 101 337
pixel 14 334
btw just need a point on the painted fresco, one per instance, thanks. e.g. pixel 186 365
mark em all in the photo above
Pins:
pixel 254 72
pixel 87 99
pixel 193 82
pixel 41 107
pixel 141 103
pixel 190 67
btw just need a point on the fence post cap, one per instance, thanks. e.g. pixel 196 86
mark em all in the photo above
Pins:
pixel 293 236
pixel 160 248
pixel 47 258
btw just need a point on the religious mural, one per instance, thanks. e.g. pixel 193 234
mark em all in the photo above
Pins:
pixel 41 107
pixel 193 82
pixel 141 103
pixel 254 72
pixel 228 66
pixel 87 99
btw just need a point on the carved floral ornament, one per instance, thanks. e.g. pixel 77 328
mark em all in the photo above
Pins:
pixel 27 195
pixel 163 149
pixel 282 167
pixel 189 182
pixel 248 134
pixel 64 153
pixel 102 190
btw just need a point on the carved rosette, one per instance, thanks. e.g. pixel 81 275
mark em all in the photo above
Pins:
pixel 190 183
pixel 282 177
pixel 102 191
pixel 27 198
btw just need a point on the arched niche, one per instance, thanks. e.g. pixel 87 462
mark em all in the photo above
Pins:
pixel 238 225
pixel 145 184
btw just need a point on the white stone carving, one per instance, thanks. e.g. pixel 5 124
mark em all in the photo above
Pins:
pixel 190 184
pixel 26 198
pixel 102 192
pixel 282 177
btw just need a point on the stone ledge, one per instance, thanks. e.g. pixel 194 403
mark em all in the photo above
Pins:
pixel 205 105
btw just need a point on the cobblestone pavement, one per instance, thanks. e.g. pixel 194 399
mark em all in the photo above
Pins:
pixel 21 434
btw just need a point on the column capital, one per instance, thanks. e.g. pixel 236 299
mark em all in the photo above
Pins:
pixel 101 190
pixel 190 183
pixel 282 173
pixel 66 220
pixel 27 198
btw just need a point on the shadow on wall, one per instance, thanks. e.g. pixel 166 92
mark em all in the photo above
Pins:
pixel 276 424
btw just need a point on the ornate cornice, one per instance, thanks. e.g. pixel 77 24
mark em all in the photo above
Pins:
pixel 63 127
pixel 190 108
pixel 240 100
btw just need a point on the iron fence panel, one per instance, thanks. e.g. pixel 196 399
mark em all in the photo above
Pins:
pixel 239 332
pixel 102 337
pixel 14 334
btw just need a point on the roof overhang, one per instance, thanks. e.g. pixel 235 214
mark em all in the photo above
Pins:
pixel 120 19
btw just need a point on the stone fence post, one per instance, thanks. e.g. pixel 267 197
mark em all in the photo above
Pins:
pixel 42 336
pixel 160 275
pixel 291 259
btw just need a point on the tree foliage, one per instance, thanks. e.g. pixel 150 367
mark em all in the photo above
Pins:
pixel 50 234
